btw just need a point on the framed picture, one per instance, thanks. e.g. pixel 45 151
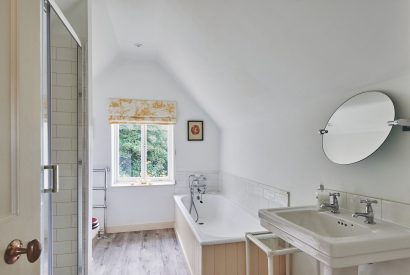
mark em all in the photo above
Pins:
pixel 195 130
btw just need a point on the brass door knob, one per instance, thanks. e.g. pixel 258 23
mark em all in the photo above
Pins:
pixel 15 249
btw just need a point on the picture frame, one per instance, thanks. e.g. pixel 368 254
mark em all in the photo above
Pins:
pixel 195 130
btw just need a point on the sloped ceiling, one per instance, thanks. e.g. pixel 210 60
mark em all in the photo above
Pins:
pixel 241 58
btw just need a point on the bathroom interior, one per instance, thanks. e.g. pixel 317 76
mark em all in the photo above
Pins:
pixel 212 138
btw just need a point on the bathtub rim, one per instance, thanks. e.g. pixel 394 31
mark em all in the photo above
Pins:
pixel 202 238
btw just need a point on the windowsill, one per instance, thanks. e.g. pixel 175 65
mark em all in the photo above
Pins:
pixel 136 184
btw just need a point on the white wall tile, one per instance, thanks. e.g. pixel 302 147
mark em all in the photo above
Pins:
pixel 74 221
pixel 66 157
pixel 53 130
pixel 53 78
pixel 53 53
pixel 182 185
pixel 62 144
pixel 74 118
pixel 66 234
pixel 64 151
pixel 60 118
pixel 67 105
pixel 66 80
pixel 62 196
pixel 252 195
pixel 66 260
pixel 65 170
pixel 74 170
pixel 74 195
pixel 68 54
pixel 60 41
pixel 67 209
pixel 61 221
pixel 62 248
pixel 61 92
pixel 61 66
pixel 66 131
pixel 62 270
pixel 74 144
pixel 395 212
pixel 74 92
pixel 74 67
pixel 68 182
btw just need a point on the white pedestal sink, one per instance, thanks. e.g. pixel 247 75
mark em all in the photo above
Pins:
pixel 339 241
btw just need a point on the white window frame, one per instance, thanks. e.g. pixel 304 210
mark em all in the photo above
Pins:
pixel 144 179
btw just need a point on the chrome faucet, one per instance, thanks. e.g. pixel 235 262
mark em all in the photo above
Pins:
pixel 197 187
pixel 334 206
pixel 369 214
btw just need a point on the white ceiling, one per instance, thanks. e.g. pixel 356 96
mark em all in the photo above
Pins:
pixel 241 58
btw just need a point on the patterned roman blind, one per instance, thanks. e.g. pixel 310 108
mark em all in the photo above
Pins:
pixel 129 111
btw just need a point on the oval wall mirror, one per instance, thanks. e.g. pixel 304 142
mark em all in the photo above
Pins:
pixel 358 127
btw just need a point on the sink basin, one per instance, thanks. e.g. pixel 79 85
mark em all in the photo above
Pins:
pixel 338 240
pixel 324 224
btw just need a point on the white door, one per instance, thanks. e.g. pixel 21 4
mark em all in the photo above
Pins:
pixel 20 129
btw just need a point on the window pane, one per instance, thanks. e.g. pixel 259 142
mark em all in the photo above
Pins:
pixel 157 151
pixel 129 150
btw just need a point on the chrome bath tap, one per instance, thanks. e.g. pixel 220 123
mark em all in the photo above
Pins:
pixel 197 187
pixel 332 207
pixel 369 214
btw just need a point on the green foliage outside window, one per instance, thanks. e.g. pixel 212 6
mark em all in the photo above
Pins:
pixel 157 151
pixel 130 150
pixel 130 138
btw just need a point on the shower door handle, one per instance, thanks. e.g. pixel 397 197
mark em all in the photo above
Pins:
pixel 56 178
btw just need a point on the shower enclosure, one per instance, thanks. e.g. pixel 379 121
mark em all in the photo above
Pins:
pixel 63 146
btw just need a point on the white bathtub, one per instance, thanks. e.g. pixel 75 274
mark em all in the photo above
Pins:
pixel 222 221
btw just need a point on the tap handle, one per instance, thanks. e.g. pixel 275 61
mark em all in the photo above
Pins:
pixel 334 198
pixel 334 195
pixel 368 202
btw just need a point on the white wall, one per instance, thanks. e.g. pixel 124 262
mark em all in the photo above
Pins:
pixel 281 147
pixel 104 45
pixel 271 74
pixel 148 80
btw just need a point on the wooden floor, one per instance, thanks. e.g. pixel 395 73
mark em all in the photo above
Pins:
pixel 154 252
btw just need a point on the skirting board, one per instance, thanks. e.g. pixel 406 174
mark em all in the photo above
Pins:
pixel 139 227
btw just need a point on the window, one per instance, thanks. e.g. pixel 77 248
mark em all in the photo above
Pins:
pixel 142 153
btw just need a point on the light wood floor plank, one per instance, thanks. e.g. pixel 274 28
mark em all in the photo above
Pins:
pixel 154 252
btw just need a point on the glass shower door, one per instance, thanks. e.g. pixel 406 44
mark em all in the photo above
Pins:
pixel 62 159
